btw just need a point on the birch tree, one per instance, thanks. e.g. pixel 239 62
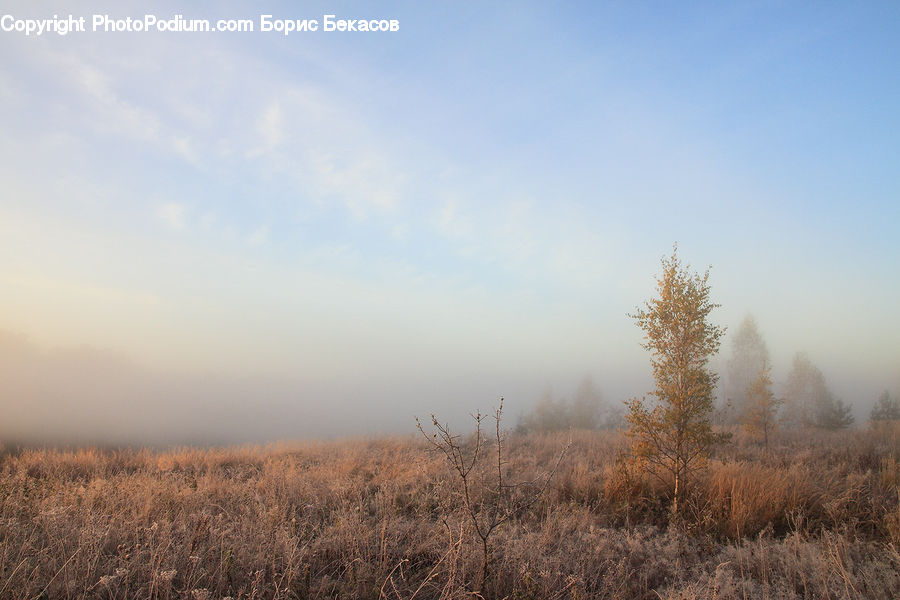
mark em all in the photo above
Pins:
pixel 749 355
pixel 761 409
pixel 672 436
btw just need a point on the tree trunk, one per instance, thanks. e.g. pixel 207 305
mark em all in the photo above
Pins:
pixel 677 491
pixel 484 566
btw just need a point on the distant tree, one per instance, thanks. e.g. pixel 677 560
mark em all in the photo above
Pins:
pixel 549 414
pixel 761 410
pixel 809 402
pixel 587 410
pixel 804 393
pixel 749 355
pixel 673 437
pixel 886 409
pixel 836 415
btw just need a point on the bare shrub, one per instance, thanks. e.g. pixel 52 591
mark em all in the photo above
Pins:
pixel 488 496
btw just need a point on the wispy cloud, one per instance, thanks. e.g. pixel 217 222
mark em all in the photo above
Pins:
pixel 258 236
pixel 173 216
pixel 109 111
pixel 270 129
pixel 329 152
pixel 452 221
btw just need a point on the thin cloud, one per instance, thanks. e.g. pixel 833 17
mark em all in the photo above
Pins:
pixel 259 236
pixel 327 151
pixel 173 216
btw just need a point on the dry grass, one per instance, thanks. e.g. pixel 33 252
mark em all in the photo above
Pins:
pixel 816 517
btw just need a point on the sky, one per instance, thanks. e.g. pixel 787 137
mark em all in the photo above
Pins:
pixel 335 231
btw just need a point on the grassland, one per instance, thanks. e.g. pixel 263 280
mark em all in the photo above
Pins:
pixel 815 517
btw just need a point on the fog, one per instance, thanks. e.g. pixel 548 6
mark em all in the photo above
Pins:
pixel 83 395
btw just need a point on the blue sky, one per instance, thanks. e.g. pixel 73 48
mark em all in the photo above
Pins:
pixel 477 199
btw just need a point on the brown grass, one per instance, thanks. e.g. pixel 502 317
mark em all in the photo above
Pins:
pixel 816 517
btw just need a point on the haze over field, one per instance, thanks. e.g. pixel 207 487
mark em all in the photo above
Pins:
pixel 236 236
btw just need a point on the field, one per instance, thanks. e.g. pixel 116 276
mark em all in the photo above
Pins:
pixel 814 517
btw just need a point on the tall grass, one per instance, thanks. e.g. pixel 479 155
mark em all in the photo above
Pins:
pixel 815 517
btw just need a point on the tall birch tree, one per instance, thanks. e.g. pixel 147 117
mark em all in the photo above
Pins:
pixel 671 436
